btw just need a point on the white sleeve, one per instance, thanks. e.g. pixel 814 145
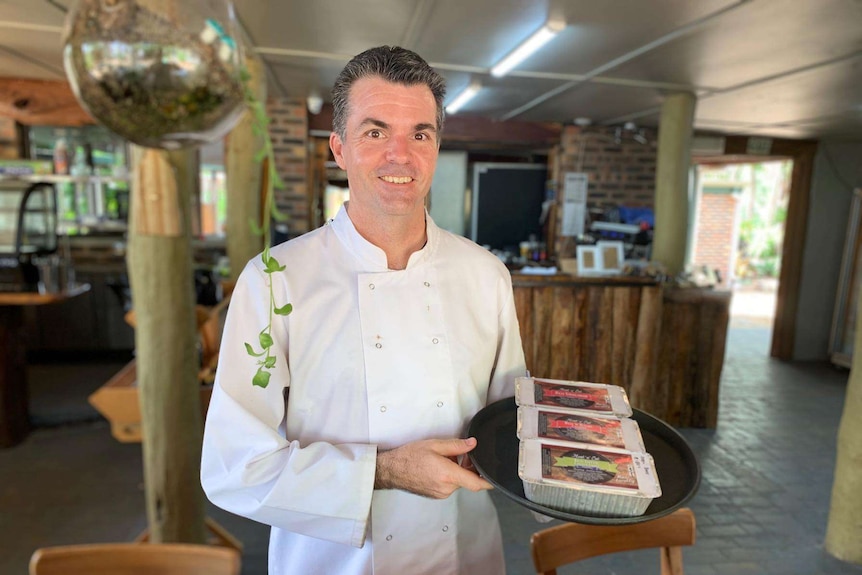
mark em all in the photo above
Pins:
pixel 247 466
pixel 510 362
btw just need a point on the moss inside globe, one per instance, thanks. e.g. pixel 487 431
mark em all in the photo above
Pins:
pixel 151 79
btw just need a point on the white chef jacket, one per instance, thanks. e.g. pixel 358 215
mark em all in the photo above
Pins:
pixel 369 359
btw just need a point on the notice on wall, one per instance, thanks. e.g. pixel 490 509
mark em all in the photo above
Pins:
pixel 574 203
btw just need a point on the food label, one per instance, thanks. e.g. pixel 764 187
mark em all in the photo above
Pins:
pixel 588 466
pixel 580 428
pixel 572 396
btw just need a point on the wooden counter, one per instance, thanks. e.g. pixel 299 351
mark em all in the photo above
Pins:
pixel 664 345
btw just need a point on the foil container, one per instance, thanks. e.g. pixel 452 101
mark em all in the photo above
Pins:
pixel 585 427
pixel 559 394
pixel 585 480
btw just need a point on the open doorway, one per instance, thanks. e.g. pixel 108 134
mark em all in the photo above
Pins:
pixel 740 218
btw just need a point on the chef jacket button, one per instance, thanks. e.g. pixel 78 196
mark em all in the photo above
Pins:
pixel 435 340
pixel 439 404
pixel 445 528
pixel 378 345
pixel 427 284
pixel 383 409
pixel 370 286
pixel 389 538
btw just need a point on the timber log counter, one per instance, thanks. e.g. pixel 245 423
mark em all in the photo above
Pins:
pixel 663 344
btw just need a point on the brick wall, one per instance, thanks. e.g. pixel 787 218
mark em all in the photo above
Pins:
pixel 619 173
pixel 289 132
pixel 714 244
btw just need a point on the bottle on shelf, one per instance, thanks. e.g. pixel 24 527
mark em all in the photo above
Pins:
pixel 61 157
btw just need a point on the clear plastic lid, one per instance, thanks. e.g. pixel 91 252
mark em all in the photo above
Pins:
pixel 581 467
pixel 589 428
pixel 572 395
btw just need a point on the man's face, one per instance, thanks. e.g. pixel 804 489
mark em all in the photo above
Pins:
pixel 389 149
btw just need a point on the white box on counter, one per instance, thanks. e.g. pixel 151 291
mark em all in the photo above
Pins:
pixel 588 428
pixel 583 480
pixel 572 395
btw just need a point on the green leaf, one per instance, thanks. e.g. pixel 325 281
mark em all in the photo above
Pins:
pixel 265 341
pixel 261 378
pixel 270 362
pixel 260 155
pixel 272 266
pixel 251 351
pixel 284 310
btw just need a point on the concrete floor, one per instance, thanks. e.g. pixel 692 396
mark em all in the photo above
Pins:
pixel 761 509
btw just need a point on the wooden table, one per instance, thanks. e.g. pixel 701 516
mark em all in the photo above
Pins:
pixel 14 408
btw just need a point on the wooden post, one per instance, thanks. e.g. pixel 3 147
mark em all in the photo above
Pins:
pixel 160 274
pixel 671 181
pixel 843 529
pixel 244 180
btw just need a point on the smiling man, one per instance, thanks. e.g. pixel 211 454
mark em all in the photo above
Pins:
pixel 400 333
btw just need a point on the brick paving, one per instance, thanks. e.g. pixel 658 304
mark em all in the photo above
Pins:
pixel 763 503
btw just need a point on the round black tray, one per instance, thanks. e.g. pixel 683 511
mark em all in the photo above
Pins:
pixel 496 459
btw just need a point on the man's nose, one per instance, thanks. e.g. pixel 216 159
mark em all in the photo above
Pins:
pixel 398 150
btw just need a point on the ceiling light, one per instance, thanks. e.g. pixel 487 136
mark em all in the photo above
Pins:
pixel 464 97
pixel 542 36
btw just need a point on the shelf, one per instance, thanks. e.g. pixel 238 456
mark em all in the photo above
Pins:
pixel 60 178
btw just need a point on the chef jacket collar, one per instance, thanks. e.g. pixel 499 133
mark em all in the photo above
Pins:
pixel 372 255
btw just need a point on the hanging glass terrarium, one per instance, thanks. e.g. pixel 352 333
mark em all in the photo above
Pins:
pixel 160 73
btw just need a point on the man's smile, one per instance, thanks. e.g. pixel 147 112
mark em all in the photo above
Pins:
pixel 397 179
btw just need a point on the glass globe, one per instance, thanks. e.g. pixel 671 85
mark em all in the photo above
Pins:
pixel 160 73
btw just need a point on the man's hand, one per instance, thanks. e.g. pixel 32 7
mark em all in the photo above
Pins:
pixel 428 468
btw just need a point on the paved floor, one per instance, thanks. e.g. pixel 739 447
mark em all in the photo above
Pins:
pixel 761 509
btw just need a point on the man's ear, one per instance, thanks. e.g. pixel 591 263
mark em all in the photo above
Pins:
pixel 336 145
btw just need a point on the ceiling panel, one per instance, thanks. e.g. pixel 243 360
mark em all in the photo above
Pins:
pixel 31 54
pixel 477 32
pixel 818 92
pixel 599 102
pixel 32 12
pixel 499 96
pixel 332 26
pixel 598 32
pixel 759 39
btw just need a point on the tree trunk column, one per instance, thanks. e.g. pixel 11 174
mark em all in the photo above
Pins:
pixel 844 529
pixel 160 274
pixel 671 181
pixel 244 177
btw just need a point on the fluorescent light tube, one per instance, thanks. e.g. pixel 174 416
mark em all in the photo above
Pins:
pixel 464 97
pixel 527 48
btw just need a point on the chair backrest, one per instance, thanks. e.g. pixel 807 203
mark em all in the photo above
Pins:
pixel 572 542
pixel 135 559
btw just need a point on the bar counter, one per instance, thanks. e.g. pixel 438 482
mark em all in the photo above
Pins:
pixel 663 344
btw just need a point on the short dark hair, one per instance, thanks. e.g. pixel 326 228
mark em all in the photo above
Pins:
pixel 393 64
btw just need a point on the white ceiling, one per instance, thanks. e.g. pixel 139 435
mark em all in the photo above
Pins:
pixel 785 68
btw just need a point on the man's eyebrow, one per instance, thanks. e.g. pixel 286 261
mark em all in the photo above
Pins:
pixel 383 125
pixel 374 122
pixel 425 127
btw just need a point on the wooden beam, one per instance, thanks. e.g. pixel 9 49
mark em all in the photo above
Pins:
pixel 41 103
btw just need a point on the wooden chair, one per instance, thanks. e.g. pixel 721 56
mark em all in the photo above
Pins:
pixel 572 542
pixel 135 559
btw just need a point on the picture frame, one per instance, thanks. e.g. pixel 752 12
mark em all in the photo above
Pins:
pixel 604 258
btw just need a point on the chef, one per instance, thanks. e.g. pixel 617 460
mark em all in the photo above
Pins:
pixel 400 333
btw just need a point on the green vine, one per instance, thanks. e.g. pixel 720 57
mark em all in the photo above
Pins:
pixel 260 127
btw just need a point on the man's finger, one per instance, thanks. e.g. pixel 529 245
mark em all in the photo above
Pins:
pixel 452 447
pixel 469 480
